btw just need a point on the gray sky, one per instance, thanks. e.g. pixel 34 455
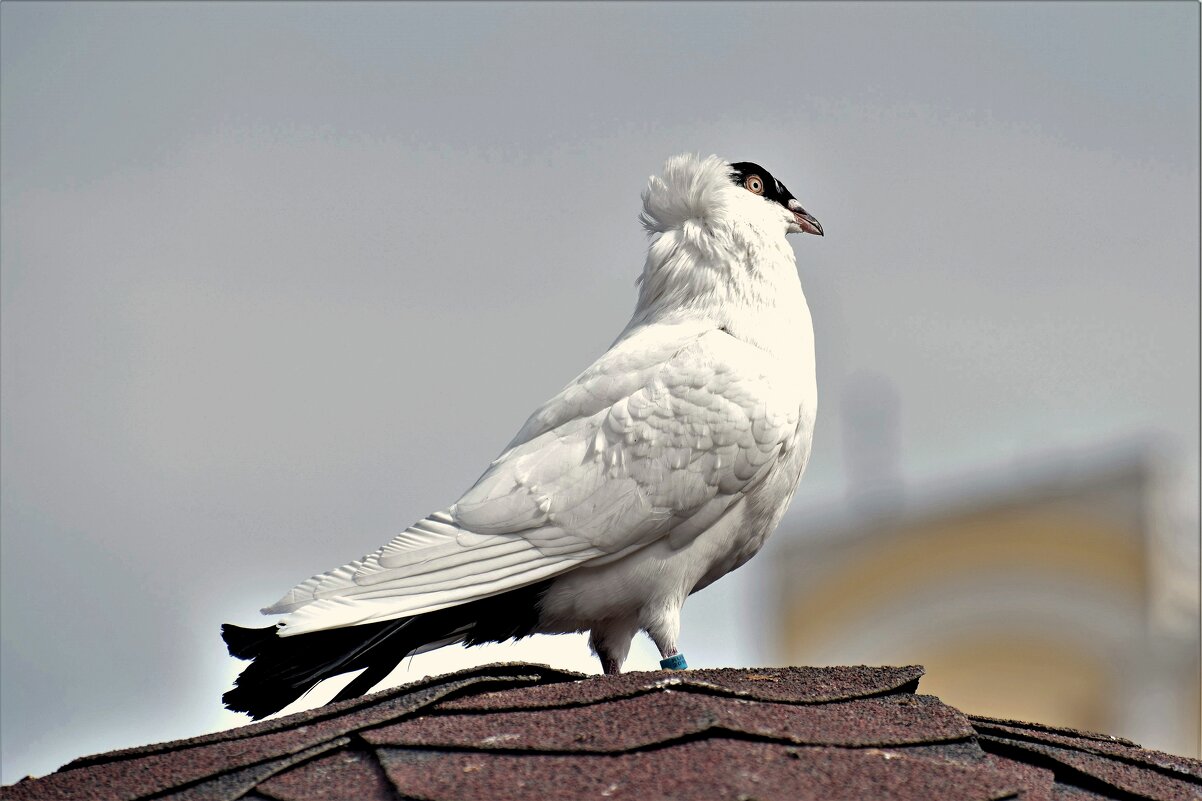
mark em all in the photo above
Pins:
pixel 279 279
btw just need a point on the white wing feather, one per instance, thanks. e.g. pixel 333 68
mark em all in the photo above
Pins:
pixel 657 438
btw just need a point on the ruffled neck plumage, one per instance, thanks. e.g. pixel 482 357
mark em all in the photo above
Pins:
pixel 717 249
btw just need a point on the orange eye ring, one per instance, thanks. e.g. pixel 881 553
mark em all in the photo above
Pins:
pixel 754 184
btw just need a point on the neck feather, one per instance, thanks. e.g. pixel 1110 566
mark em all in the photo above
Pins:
pixel 717 249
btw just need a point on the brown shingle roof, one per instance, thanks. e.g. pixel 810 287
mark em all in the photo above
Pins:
pixel 531 732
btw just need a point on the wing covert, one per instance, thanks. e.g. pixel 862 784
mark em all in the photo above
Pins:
pixel 659 437
pixel 645 455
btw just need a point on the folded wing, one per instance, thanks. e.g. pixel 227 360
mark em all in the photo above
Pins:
pixel 654 440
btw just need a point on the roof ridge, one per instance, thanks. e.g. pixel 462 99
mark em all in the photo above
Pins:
pixel 703 682
pixel 667 717
pixel 702 768
pixel 329 711
pixel 530 732
pixel 711 731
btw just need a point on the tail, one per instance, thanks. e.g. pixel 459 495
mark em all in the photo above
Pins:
pixel 283 669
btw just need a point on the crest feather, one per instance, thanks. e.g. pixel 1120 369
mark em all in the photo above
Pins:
pixel 690 188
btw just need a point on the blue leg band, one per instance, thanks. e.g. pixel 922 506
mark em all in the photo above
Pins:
pixel 674 662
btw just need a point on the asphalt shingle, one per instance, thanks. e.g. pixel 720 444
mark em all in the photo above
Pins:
pixel 348 775
pixel 1097 773
pixel 629 724
pixel 790 685
pixel 1115 748
pixel 704 769
pixel 520 732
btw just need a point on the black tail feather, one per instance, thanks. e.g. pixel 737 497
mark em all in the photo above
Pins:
pixel 285 668
pixel 246 643
pixel 362 684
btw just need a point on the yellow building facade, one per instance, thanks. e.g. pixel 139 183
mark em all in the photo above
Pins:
pixel 1040 599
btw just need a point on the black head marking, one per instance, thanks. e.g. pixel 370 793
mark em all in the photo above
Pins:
pixel 757 180
pixel 774 190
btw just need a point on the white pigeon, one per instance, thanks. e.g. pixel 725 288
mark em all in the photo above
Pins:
pixel 659 469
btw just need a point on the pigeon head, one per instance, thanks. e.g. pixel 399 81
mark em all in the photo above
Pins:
pixel 758 181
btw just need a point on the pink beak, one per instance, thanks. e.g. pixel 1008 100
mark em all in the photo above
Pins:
pixel 804 219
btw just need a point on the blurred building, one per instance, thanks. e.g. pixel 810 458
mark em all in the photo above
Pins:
pixel 1063 591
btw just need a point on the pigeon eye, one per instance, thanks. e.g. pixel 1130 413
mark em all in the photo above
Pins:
pixel 754 184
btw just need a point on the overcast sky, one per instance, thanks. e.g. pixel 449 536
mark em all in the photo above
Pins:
pixel 279 279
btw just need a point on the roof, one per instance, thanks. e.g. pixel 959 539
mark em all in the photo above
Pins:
pixel 519 731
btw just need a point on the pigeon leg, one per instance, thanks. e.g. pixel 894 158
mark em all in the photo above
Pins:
pixel 609 665
pixel 664 631
pixel 611 645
